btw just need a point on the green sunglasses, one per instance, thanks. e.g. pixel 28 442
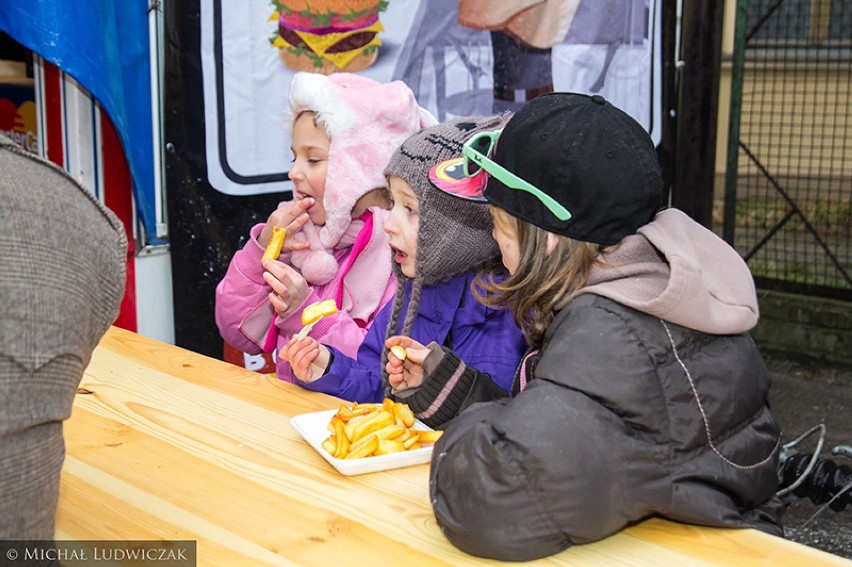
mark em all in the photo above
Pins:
pixel 479 147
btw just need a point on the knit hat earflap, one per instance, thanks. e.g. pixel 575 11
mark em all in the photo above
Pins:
pixel 454 235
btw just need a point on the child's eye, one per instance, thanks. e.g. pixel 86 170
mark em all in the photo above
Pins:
pixel 411 210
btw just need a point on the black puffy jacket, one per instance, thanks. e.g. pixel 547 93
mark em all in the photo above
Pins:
pixel 627 417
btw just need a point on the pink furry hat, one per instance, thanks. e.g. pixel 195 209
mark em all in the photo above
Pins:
pixel 365 121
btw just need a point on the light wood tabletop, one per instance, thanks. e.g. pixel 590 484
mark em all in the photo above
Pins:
pixel 167 444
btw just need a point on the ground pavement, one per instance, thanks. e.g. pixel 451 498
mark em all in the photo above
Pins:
pixel 803 396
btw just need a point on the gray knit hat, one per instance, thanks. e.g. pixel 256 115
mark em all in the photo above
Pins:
pixel 454 235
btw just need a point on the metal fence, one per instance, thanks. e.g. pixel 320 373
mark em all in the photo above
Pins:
pixel 788 191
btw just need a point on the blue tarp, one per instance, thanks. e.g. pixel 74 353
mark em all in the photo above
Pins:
pixel 104 45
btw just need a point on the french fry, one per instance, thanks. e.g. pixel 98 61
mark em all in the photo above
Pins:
pixel 276 241
pixel 359 444
pixel 406 416
pixel 316 311
pixel 356 421
pixel 391 431
pixel 329 445
pixel 388 446
pixel 429 436
pixel 342 442
pixel 371 425
pixel 346 414
pixel 408 434
pixel 398 352
pixel 371 429
pixel 364 449
pixel 313 313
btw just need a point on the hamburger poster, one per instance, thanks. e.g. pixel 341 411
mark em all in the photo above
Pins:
pixel 460 57
pixel 327 37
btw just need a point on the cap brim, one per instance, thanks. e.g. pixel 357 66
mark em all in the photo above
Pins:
pixel 449 177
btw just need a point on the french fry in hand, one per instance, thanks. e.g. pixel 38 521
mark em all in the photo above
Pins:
pixel 365 430
pixel 316 311
pixel 313 313
pixel 399 352
pixel 276 241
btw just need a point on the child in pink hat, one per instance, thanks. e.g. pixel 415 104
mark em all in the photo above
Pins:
pixel 345 128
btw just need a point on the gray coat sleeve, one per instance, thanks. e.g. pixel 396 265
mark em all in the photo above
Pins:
pixel 62 275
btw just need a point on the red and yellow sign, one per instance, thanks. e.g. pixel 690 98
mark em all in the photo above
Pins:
pixel 19 123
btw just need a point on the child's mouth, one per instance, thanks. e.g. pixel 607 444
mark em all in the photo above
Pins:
pixel 399 256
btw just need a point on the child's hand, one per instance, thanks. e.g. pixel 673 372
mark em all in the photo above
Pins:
pixel 408 373
pixel 289 288
pixel 307 357
pixel 291 216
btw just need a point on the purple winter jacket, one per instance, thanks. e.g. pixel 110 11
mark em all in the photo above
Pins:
pixel 485 338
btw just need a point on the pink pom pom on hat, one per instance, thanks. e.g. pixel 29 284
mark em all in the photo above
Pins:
pixel 366 121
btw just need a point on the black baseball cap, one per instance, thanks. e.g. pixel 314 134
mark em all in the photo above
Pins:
pixel 591 157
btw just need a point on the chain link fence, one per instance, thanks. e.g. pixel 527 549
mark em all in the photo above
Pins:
pixel 788 193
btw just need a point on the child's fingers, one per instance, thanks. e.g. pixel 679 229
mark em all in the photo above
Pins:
pixel 278 303
pixel 413 355
pixel 288 212
pixel 282 278
pixel 395 380
pixel 402 341
pixel 293 245
pixel 287 284
pixel 270 275
pixel 406 348
pixel 394 366
pixel 297 224
pixel 302 360
pixel 285 352
pixel 307 354
pixel 290 243
pixel 301 353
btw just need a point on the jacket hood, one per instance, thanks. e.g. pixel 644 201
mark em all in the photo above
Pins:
pixel 365 121
pixel 681 272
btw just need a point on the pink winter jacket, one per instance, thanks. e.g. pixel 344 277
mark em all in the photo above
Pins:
pixel 245 316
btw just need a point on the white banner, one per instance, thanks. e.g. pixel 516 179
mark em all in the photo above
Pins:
pixel 606 47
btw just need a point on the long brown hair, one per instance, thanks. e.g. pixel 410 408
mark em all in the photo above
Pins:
pixel 541 281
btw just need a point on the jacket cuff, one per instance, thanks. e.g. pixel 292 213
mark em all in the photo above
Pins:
pixel 256 325
pixel 292 323
pixel 446 384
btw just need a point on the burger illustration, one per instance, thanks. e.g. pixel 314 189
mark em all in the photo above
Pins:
pixel 327 36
